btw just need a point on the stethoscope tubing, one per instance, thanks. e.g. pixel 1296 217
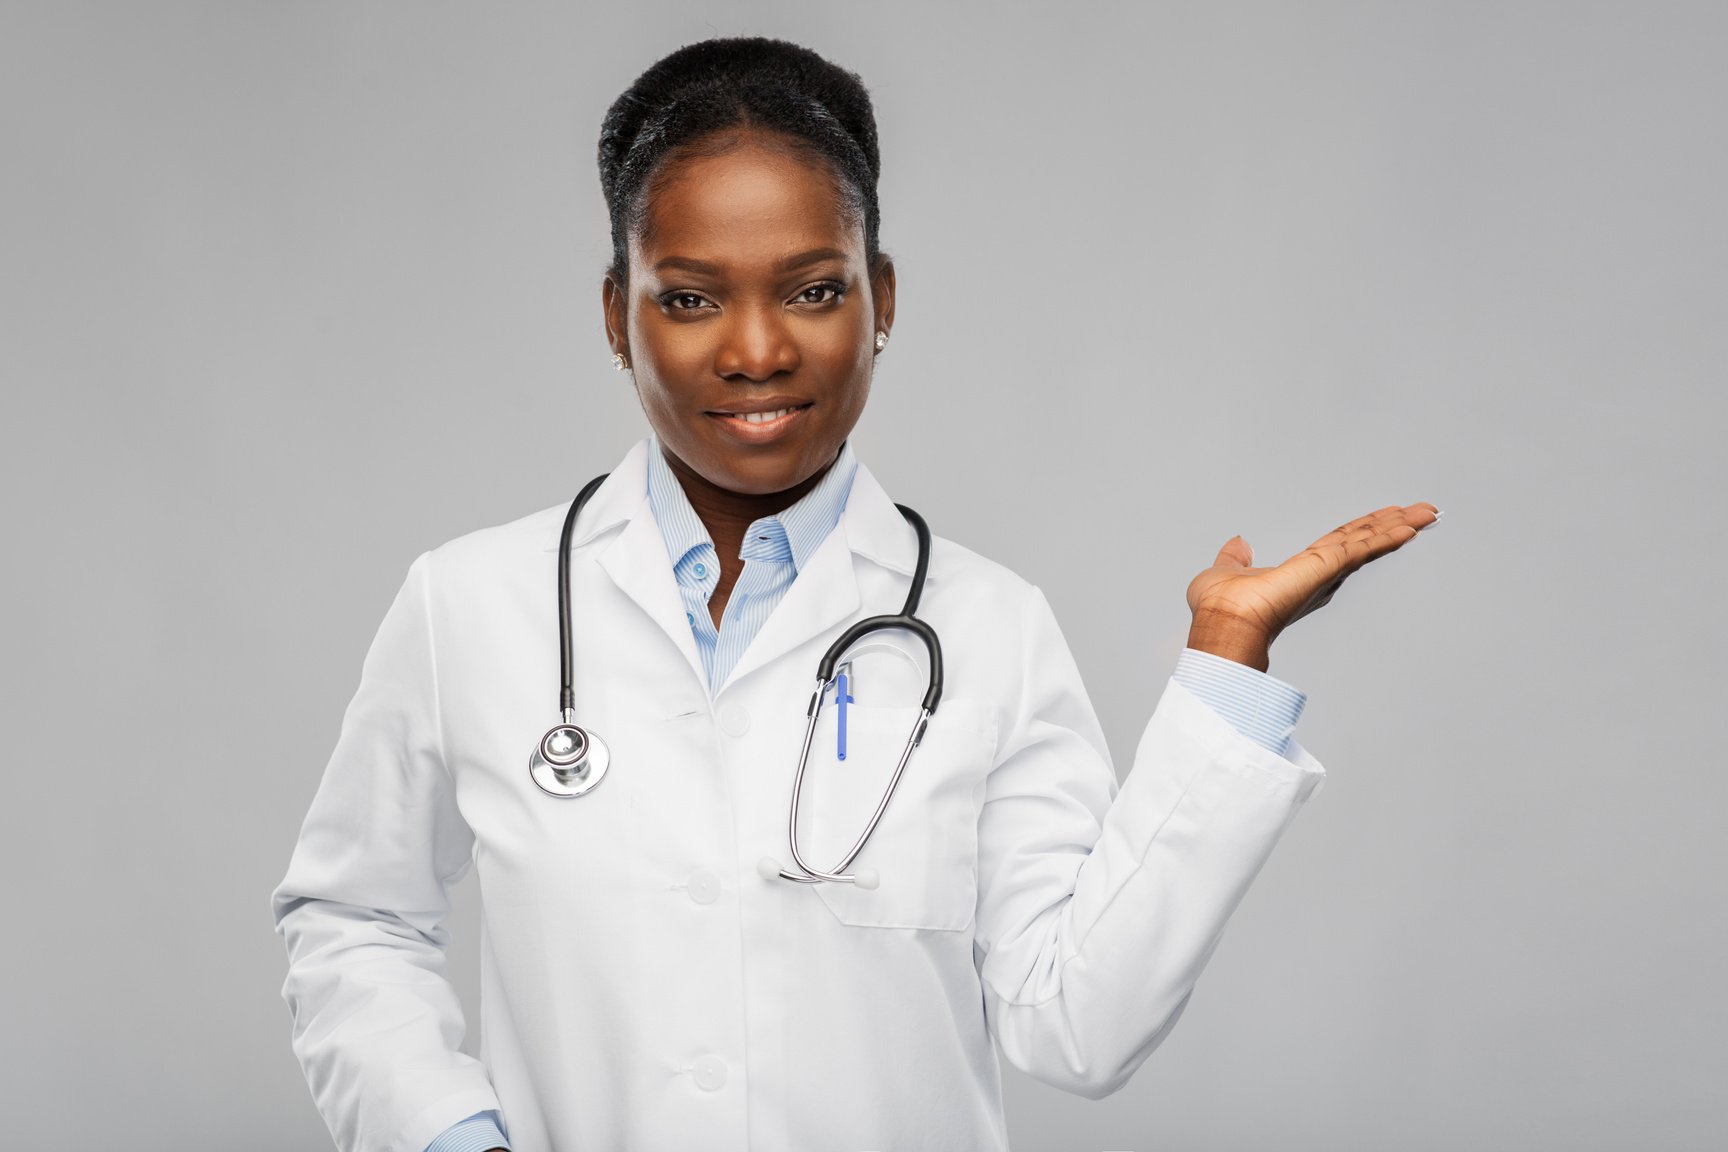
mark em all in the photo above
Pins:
pixel 906 618
pixel 838 872
pixel 567 689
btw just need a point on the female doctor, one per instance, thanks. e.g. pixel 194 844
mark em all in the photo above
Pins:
pixel 658 970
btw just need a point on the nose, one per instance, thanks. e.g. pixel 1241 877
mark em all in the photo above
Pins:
pixel 756 344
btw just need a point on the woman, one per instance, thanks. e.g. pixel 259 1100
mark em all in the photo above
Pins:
pixel 647 982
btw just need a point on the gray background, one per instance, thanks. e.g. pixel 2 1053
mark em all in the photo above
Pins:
pixel 292 292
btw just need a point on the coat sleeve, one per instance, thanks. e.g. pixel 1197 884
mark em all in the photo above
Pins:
pixel 376 1024
pixel 1100 905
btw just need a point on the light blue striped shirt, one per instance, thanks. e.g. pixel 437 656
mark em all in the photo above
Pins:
pixel 478 1133
pixel 776 548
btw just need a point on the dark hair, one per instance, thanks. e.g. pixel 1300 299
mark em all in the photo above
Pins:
pixel 740 83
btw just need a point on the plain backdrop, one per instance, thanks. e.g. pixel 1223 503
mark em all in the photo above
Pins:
pixel 292 292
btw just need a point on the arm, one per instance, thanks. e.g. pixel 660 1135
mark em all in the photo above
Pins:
pixel 1098 906
pixel 377 1026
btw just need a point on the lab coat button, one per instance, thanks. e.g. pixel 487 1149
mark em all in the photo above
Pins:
pixel 704 887
pixel 710 1073
pixel 734 721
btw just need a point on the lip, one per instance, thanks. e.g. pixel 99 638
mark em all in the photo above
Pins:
pixel 744 432
pixel 760 404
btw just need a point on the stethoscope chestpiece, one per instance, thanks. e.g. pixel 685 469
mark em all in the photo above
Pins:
pixel 569 760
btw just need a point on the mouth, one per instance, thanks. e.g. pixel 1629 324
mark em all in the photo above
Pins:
pixel 761 425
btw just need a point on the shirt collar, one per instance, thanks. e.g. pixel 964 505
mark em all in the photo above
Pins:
pixel 806 523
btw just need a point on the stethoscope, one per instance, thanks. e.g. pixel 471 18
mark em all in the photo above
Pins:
pixel 571 760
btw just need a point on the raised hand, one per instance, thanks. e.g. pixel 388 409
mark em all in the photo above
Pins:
pixel 1239 610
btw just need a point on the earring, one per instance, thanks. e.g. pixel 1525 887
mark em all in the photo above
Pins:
pixel 881 340
pixel 619 362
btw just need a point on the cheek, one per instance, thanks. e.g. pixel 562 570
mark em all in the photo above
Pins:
pixel 671 419
pixel 672 351
pixel 842 352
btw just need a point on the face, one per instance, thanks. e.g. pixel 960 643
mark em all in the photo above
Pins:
pixel 750 318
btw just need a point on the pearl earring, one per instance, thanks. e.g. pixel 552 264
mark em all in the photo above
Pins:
pixel 881 340
pixel 619 362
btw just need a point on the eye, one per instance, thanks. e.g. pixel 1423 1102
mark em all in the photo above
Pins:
pixel 822 292
pixel 683 301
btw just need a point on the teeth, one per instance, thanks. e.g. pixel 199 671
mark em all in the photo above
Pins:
pixel 760 417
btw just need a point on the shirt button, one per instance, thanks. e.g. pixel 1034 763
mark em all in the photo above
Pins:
pixel 734 720
pixel 691 616
pixel 704 887
pixel 710 1073
pixel 700 570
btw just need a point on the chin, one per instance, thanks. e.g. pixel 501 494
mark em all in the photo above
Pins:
pixel 766 474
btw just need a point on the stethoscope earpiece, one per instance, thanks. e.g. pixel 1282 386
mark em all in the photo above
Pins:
pixel 769 869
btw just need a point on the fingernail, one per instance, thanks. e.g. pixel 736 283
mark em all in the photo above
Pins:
pixel 1432 522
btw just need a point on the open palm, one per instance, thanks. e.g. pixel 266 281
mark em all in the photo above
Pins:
pixel 1269 600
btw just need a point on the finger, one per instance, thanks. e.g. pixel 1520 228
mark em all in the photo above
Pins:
pixel 1380 521
pixel 1236 553
pixel 1365 544
pixel 1379 518
pixel 1349 546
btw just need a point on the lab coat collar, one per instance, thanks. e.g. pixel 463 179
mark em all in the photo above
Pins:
pixel 874 527
pixel 634 558
pixel 622 496
pixel 824 594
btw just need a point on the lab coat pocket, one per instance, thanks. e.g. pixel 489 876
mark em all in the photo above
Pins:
pixel 925 849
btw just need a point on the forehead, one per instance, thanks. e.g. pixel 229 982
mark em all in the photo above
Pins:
pixel 751 203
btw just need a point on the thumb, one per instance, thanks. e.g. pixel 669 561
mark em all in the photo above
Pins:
pixel 1236 553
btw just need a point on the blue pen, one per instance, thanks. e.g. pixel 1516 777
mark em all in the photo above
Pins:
pixel 842 698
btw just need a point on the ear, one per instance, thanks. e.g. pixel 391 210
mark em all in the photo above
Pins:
pixel 882 293
pixel 615 315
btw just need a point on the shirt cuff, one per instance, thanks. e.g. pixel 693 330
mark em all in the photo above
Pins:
pixel 1257 704
pixel 478 1133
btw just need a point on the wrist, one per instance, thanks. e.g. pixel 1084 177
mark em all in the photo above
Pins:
pixel 1232 639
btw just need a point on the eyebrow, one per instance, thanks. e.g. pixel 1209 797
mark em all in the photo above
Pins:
pixel 702 267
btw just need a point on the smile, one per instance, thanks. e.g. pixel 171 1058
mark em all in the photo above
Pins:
pixel 760 417
pixel 756 427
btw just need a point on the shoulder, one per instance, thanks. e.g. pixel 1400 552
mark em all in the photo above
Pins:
pixel 498 555
pixel 879 530
pixel 527 544
pixel 525 535
pixel 954 563
pixel 534 532
pixel 968 591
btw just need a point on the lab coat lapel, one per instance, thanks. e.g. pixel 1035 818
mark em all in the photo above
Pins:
pixel 637 562
pixel 875 529
pixel 825 593
pixel 635 558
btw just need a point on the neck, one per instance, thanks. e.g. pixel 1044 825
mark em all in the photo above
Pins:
pixel 728 514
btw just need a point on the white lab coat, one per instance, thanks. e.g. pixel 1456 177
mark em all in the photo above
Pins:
pixel 643 986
